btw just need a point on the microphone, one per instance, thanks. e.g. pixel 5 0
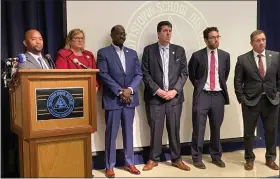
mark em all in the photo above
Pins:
pixel 76 61
pixel 12 59
pixel 51 63
pixel 8 74
pixel 20 58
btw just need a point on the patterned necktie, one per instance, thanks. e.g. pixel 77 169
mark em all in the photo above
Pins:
pixel 212 71
pixel 165 68
pixel 261 68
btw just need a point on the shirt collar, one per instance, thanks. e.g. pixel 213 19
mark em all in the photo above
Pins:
pixel 35 56
pixel 161 46
pixel 209 50
pixel 117 48
pixel 256 54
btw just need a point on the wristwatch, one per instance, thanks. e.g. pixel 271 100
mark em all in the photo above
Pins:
pixel 121 92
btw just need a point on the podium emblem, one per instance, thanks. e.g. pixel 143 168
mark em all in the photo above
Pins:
pixel 60 103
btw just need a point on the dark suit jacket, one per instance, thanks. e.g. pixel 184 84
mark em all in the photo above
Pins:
pixel 198 70
pixel 31 63
pixel 153 73
pixel 113 77
pixel 248 83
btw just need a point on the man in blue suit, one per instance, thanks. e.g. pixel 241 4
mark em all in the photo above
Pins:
pixel 120 74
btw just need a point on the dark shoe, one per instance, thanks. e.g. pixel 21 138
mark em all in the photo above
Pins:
pixel 219 163
pixel 181 165
pixel 249 165
pixel 149 165
pixel 271 164
pixel 132 169
pixel 199 165
pixel 109 173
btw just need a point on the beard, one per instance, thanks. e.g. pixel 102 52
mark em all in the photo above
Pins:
pixel 213 46
pixel 38 48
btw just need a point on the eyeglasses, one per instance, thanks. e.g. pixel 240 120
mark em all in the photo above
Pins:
pixel 78 38
pixel 214 38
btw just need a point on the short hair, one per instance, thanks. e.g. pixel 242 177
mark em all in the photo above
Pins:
pixel 26 34
pixel 27 31
pixel 208 30
pixel 70 36
pixel 256 32
pixel 115 28
pixel 163 23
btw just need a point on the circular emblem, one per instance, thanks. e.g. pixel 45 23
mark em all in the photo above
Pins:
pixel 60 103
pixel 187 22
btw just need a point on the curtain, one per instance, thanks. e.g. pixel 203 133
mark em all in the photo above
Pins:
pixel 17 16
pixel 269 22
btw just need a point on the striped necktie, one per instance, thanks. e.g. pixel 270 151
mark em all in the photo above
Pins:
pixel 165 68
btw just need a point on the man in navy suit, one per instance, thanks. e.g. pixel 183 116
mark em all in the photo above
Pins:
pixel 208 70
pixel 120 74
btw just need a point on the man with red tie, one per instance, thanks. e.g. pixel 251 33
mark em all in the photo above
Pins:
pixel 208 71
pixel 257 88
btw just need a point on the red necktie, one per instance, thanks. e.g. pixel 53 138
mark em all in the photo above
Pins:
pixel 212 71
pixel 261 68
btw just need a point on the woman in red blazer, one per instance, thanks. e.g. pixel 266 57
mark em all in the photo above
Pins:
pixel 74 51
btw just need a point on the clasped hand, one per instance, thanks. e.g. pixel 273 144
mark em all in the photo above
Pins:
pixel 126 95
pixel 167 95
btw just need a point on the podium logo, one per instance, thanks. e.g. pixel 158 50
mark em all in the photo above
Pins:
pixel 187 21
pixel 60 103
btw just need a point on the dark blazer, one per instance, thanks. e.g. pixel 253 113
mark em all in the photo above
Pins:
pixel 153 73
pixel 198 71
pixel 248 83
pixel 113 77
pixel 31 63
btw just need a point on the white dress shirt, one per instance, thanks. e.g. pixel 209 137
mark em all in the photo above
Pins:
pixel 217 82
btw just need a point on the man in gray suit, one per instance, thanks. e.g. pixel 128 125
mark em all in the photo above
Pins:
pixel 33 42
pixel 208 70
pixel 165 73
pixel 257 86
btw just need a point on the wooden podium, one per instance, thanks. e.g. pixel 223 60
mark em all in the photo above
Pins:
pixel 53 112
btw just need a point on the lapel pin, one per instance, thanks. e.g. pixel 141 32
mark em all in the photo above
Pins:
pixel 126 51
pixel 87 56
pixel 270 55
pixel 173 53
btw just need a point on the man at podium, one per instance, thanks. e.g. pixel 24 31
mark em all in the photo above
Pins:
pixel 120 73
pixel 33 43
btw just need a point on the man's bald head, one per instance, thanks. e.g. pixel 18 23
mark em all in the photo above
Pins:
pixel 33 41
